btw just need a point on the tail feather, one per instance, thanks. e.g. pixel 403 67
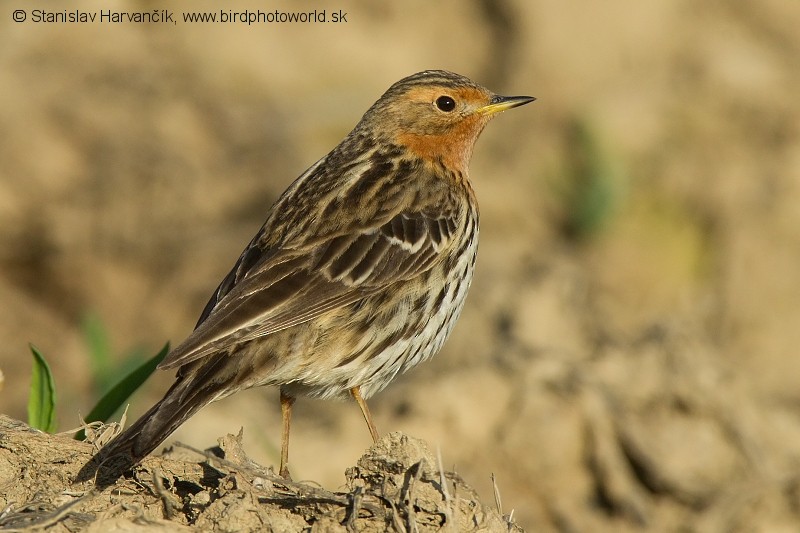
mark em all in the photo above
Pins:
pixel 128 448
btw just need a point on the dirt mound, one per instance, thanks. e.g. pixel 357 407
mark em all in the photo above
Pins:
pixel 397 485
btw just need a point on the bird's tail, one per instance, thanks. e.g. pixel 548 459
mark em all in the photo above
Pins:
pixel 126 450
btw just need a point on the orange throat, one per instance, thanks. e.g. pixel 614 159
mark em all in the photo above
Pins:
pixel 453 148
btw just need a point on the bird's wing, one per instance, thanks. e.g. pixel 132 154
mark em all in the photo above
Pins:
pixel 268 291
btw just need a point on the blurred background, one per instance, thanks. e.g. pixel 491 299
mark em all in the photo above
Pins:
pixel 627 358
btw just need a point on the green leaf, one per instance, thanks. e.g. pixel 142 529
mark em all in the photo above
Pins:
pixel 592 185
pixel 99 348
pixel 42 396
pixel 119 393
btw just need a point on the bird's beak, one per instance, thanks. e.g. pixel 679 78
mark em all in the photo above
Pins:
pixel 501 103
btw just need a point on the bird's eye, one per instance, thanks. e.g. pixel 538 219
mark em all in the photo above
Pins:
pixel 445 103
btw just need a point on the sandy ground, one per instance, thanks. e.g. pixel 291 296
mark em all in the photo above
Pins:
pixel 627 357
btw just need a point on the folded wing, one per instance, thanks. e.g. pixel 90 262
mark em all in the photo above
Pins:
pixel 271 290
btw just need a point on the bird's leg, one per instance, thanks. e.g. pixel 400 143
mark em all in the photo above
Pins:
pixel 286 416
pixel 356 392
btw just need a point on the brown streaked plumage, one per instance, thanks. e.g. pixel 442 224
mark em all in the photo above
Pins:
pixel 359 272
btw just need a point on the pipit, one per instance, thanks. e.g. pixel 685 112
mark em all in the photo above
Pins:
pixel 359 273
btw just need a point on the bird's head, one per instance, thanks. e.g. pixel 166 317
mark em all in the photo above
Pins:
pixel 437 115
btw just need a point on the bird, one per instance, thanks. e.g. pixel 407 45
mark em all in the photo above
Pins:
pixel 358 274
